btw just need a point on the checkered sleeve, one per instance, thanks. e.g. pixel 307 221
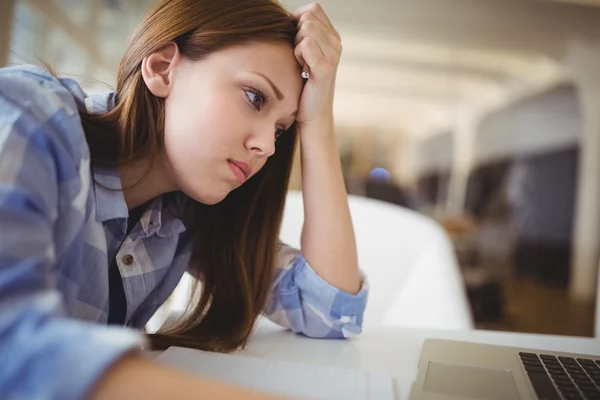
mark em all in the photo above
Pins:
pixel 305 303
pixel 45 354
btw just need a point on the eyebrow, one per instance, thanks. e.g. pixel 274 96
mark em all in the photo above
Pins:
pixel 278 93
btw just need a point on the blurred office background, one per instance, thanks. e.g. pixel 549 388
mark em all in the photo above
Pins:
pixel 483 115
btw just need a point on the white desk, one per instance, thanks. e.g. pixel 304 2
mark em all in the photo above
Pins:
pixel 394 351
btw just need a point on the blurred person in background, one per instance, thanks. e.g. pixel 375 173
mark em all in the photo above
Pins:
pixel 106 200
pixel 379 185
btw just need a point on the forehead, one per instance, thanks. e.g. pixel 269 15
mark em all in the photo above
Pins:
pixel 274 60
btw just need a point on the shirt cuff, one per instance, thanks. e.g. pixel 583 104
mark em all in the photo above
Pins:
pixel 85 351
pixel 344 310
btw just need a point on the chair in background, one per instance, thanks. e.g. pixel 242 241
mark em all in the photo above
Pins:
pixel 413 274
pixel 410 263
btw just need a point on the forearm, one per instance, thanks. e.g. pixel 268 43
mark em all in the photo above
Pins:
pixel 328 241
pixel 136 378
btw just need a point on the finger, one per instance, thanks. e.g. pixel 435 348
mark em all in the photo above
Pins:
pixel 299 58
pixel 313 56
pixel 319 15
pixel 314 27
pixel 316 14
pixel 308 7
pixel 328 44
pixel 315 9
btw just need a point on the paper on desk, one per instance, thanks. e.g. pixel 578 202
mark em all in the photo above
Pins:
pixel 287 379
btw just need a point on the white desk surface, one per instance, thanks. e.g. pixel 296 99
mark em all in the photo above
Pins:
pixel 394 351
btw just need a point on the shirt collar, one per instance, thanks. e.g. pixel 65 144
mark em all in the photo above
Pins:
pixel 160 217
pixel 110 201
pixel 100 103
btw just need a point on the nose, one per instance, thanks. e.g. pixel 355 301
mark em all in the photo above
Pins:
pixel 262 142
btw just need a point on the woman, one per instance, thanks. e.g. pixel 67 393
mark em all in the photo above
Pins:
pixel 105 201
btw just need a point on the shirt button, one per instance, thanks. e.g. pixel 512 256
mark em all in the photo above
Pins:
pixel 127 259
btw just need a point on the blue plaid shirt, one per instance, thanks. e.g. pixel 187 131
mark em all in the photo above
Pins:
pixel 58 232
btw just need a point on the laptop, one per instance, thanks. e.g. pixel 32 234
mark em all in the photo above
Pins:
pixel 460 370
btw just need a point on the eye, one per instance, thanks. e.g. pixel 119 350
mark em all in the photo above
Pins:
pixel 256 98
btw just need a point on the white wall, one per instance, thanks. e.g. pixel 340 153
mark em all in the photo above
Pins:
pixel 435 154
pixel 541 124
pixel 544 123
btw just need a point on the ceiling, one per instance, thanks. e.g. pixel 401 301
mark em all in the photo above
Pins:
pixel 594 3
pixel 409 66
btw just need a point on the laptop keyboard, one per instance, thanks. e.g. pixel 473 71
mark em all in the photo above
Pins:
pixel 556 378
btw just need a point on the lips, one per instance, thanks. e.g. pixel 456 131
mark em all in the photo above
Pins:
pixel 240 169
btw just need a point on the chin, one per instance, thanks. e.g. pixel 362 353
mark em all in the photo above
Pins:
pixel 213 200
pixel 209 198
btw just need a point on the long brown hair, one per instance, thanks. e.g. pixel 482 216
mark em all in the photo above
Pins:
pixel 235 241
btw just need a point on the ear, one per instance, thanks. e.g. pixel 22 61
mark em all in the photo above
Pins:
pixel 157 69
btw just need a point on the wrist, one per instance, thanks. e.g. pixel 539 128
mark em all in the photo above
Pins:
pixel 322 120
pixel 318 141
pixel 318 130
pixel 318 149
